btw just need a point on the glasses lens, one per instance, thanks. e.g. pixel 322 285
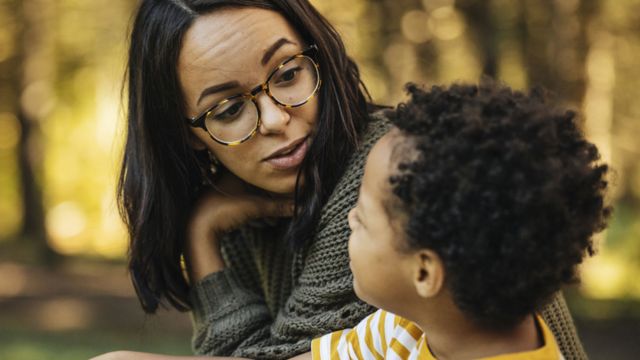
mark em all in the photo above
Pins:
pixel 232 120
pixel 295 82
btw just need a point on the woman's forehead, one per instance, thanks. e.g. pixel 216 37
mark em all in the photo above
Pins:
pixel 224 37
pixel 229 46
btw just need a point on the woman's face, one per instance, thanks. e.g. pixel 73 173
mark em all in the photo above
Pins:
pixel 229 52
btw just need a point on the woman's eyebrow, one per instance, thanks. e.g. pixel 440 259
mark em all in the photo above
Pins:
pixel 273 48
pixel 217 88
pixel 234 84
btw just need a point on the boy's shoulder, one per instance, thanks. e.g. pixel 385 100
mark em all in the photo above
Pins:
pixel 380 335
pixel 384 335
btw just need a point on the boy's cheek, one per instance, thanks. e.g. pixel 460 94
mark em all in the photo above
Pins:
pixel 354 254
pixel 352 248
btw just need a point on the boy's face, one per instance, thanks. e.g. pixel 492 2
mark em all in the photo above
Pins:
pixel 382 275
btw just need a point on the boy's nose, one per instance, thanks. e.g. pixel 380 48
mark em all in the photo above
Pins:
pixel 273 117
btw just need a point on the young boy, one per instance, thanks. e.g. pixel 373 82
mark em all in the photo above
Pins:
pixel 472 212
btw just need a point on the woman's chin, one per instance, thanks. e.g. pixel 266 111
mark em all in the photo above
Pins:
pixel 283 186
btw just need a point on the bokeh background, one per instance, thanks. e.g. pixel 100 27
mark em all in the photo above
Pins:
pixel 64 291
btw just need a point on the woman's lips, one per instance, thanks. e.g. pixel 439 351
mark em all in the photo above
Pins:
pixel 291 159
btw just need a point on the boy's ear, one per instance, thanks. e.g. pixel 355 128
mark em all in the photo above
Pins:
pixel 428 277
pixel 195 142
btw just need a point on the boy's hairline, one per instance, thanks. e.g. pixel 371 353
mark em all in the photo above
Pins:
pixel 397 212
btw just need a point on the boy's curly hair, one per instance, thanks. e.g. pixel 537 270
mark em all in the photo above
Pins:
pixel 504 187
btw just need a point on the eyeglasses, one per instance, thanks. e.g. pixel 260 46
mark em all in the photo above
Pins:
pixel 236 119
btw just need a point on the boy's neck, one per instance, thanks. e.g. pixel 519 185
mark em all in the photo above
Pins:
pixel 450 335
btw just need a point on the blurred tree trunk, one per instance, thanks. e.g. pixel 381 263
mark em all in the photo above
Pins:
pixel 482 24
pixel 554 44
pixel 389 32
pixel 32 70
pixel 399 59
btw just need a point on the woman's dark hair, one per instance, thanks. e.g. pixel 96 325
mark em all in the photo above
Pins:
pixel 504 187
pixel 161 173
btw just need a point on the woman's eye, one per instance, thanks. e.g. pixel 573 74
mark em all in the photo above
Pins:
pixel 288 76
pixel 230 112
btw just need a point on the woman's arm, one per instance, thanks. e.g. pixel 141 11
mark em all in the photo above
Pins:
pixel 305 356
pixel 134 355
pixel 229 305
pixel 228 302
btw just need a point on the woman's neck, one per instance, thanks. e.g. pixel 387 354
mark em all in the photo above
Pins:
pixel 450 335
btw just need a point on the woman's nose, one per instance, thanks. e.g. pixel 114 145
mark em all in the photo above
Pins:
pixel 273 117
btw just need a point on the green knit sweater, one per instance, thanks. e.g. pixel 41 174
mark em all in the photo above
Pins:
pixel 271 301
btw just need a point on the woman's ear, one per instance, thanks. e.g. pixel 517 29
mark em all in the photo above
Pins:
pixel 428 277
pixel 195 142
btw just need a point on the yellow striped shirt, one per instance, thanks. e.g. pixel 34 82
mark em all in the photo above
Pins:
pixel 383 335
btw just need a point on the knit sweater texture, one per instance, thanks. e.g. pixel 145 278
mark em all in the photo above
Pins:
pixel 270 300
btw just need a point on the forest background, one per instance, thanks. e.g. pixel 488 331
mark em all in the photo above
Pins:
pixel 64 291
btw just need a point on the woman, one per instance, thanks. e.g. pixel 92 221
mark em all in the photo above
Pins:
pixel 245 110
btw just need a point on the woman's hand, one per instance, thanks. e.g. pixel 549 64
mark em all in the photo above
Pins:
pixel 227 207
